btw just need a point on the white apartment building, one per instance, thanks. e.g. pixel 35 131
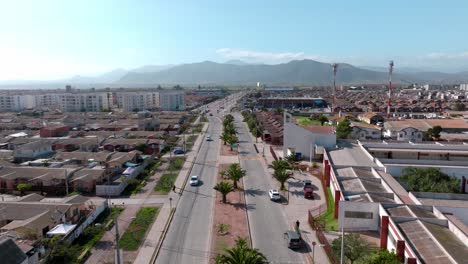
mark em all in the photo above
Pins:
pixel 137 101
pixel 16 102
pixel 172 100
pixel 76 102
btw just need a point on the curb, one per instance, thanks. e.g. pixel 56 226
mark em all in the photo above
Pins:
pixel 163 236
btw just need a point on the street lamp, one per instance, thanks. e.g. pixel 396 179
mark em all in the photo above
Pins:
pixel 170 203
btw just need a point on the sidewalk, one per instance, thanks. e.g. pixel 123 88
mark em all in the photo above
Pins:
pixel 150 244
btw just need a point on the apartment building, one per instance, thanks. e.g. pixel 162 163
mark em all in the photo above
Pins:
pixel 80 102
pixel 172 100
pixel 137 101
pixel 16 102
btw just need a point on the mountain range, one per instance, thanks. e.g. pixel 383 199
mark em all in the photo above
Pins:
pixel 236 72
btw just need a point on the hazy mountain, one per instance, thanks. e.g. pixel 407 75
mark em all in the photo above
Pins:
pixel 299 72
pixel 396 69
pixel 236 62
pixel 107 77
pixel 152 68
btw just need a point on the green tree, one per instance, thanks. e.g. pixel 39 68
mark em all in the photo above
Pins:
pixel 241 253
pixel 380 257
pixel 235 173
pixel 279 111
pixel 225 137
pixel 23 187
pixel 355 247
pixel 141 147
pixel 322 119
pixel 231 141
pixel 229 129
pixel 62 252
pixel 429 180
pixel 282 176
pixel 343 129
pixel 224 187
pixel 229 118
pixel 279 165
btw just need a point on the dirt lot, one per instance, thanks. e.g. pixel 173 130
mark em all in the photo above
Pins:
pixel 233 213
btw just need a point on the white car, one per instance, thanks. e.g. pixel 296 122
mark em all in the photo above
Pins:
pixel 194 180
pixel 208 138
pixel 274 195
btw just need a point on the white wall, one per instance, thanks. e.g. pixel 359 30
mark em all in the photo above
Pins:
pixel 303 141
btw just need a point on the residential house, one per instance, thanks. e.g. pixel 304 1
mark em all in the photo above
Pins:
pixel 364 131
pixel 58 130
pixel 33 150
pixel 404 134
pixel 371 118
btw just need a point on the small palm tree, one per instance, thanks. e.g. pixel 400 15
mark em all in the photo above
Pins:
pixel 230 129
pixel 229 117
pixel 235 173
pixel 224 187
pixel 279 165
pixel 241 253
pixel 282 176
pixel 231 140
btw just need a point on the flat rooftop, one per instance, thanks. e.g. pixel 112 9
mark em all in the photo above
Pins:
pixel 350 154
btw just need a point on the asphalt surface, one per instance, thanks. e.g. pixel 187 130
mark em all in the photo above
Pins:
pixel 188 239
pixel 266 218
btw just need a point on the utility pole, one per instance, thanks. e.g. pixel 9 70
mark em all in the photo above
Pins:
pixel 335 69
pixel 117 249
pixel 390 73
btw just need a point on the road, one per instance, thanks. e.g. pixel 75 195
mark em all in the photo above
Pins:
pixel 188 239
pixel 266 218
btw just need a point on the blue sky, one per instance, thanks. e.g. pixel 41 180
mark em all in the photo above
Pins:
pixel 55 39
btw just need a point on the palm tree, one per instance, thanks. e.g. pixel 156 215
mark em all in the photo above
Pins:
pixel 235 173
pixel 230 129
pixel 229 117
pixel 224 187
pixel 231 140
pixel 241 253
pixel 282 176
pixel 279 165
pixel 225 137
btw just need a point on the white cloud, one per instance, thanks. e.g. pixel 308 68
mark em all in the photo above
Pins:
pixel 257 56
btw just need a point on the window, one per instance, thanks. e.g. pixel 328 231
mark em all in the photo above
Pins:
pixel 357 214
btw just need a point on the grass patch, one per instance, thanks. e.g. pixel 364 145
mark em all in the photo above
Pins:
pixel 192 138
pixel 176 164
pixel 132 238
pixel 165 183
pixel 331 224
pixel 306 121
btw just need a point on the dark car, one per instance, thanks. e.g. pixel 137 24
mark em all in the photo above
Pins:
pixel 178 152
pixel 293 240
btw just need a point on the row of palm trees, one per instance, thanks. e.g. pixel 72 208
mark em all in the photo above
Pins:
pixel 234 174
pixel 229 131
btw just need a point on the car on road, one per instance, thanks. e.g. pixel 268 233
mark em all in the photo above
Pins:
pixel 179 152
pixel 208 138
pixel 308 192
pixel 293 239
pixel 194 180
pixel 307 183
pixel 211 114
pixel 274 195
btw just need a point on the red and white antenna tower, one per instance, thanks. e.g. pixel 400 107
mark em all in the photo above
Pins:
pixel 390 73
pixel 335 69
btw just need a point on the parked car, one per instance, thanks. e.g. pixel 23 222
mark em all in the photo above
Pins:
pixel 179 152
pixel 308 192
pixel 211 114
pixel 274 195
pixel 293 239
pixel 194 180
pixel 307 183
